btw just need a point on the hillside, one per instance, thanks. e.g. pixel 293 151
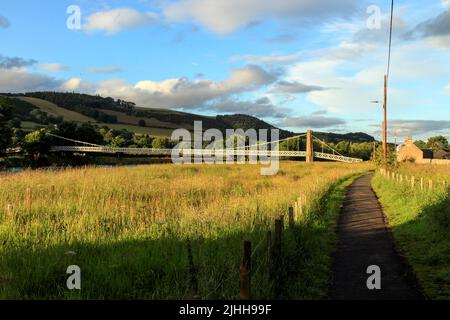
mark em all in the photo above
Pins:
pixel 44 108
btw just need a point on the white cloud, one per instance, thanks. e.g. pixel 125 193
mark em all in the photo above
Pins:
pixel 186 93
pixel 311 121
pixel 117 20
pixel 415 128
pixel 54 67
pixel 15 62
pixel 448 87
pixel 435 31
pixel 20 80
pixel 71 84
pixel 445 3
pixel 353 73
pixel 267 60
pixel 225 16
pixel 100 70
pixel 261 107
pixel 286 87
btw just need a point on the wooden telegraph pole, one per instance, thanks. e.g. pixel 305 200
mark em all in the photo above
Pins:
pixel 385 120
pixel 309 147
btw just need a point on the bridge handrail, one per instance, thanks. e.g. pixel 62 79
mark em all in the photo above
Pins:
pixel 103 149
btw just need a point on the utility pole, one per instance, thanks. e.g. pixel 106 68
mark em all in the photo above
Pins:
pixel 309 147
pixel 385 119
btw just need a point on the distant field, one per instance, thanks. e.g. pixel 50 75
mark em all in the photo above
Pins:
pixel 133 120
pixel 420 220
pixel 155 132
pixel 53 109
pixel 29 125
pixel 128 230
pixel 69 115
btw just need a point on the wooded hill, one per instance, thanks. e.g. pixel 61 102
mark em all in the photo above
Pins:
pixel 36 109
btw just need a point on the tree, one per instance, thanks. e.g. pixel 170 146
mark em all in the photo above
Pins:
pixel 378 156
pixel 160 143
pixel 143 141
pixel 343 147
pixel 361 150
pixel 142 123
pixel 88 133
pixel 118 142
pixel 437 143
pixel 6 132
pixel 37 143
pixel 420 144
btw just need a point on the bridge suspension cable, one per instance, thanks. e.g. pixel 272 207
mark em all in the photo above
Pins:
pixel 76 141
pixel 272 142
pixel 324 143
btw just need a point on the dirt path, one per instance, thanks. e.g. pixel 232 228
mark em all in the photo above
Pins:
pixel 364 240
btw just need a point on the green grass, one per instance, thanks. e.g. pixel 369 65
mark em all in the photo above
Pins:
pixel 310 260
pixel 129 227
pixel 420 221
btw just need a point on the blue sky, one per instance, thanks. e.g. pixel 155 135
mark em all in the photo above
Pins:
pixel 295 63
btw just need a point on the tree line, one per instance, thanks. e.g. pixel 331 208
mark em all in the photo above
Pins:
pixel 36 144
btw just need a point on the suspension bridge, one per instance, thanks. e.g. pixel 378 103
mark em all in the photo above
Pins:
pixel 249 151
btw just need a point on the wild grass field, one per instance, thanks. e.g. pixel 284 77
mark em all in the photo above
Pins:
pixel 129 230
pixel 420 220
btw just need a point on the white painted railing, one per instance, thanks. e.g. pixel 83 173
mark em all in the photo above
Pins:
pixel 202 152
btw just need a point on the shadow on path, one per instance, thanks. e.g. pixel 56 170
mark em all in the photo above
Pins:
pixel 365 240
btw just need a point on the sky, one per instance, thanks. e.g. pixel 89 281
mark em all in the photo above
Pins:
pixel 297 64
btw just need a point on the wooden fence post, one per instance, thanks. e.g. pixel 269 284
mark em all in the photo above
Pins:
pixel 244 271
pixel 291 217
pixel 421 183
pixel 300 206
pixel 412 182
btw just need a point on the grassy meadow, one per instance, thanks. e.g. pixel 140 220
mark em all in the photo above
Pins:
pixel 166 231
pixel 420 220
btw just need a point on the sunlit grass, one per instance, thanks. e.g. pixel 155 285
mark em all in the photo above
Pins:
pixel 420 219
pixel 127 228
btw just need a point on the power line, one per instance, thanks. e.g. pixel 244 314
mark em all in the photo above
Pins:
pixel 390 39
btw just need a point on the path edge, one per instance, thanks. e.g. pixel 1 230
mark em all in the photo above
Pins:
pixel 410 275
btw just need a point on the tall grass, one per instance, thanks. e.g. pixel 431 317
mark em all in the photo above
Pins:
pixel 420 219
pixel 128 228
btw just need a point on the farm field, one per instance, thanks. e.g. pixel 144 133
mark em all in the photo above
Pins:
pixel 420 220
pixel 155 132
pixel 154 127
pixel 168 232
pixel 55 110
